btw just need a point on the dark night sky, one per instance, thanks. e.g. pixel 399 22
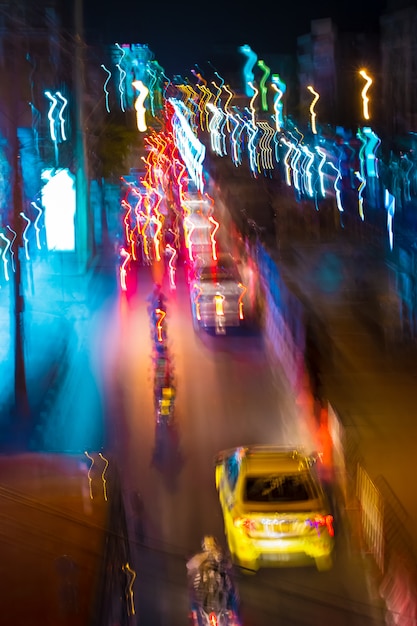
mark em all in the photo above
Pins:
pixel 182 34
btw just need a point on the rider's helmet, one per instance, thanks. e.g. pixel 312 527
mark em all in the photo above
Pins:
pixel 209 544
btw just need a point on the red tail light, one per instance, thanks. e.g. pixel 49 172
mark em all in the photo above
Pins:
pixel 247 524
pixel 213 621
pixel 321 521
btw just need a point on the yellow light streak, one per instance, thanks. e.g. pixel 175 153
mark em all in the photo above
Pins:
pixel 312 112
pixel 364 92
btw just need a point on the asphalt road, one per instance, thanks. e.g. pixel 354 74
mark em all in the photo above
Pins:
pixel 228 395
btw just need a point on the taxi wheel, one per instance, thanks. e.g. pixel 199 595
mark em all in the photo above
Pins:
pixel 248 568
pixel 324 563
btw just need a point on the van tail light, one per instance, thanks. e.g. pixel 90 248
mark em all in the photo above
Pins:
pixel 322 521
pixel 218 301
pixel 248 525
pixel 213 621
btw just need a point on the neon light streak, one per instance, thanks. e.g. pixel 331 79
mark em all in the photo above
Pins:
pixel 130 596
pixel 226 106
pixel 11 246
pixel 371 146
pixel 187 233
pixel 123 271
pixel 240 303
pixel 144 227
pixel 25 239
pixel 312 112
pixel 308 174
pixel 294 164
pixel 107 93
pixel 126 219
pixel 365 99
pixel 251 105
pixel 161 315
pixel 362 176
pixel 35 224
pixel 61 115
pixel 219 90
pixel 248 75
pixel 277 107
pixel 216 226
pixel 140 109
pixel 156 239
pixel 158 219
pixel 171 265
pixel 290 146
pixel 102 475
pixel 266 70
pixel 3 256
pixel 152 72
pixel 360 194
pixel 236 152
pixel 320 170
pixel 280 87
pixel 122 75
pixel 253 162
pixel 389 201
pixel 132 244
pixel 90 480
pixel 52 106
pixel 336 189
pixel 265 146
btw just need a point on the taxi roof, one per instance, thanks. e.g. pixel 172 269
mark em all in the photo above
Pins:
pixel 266 459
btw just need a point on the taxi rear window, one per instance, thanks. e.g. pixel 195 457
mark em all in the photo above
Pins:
pixel 279 488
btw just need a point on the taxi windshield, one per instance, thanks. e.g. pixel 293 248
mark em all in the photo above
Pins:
pixel 280 488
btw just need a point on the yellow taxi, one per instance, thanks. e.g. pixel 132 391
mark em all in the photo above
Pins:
pixel 274 507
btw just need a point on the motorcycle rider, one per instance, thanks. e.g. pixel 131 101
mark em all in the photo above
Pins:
pixel 211 577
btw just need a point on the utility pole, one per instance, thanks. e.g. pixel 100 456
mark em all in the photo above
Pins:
pixel 82 221
pixel 21 402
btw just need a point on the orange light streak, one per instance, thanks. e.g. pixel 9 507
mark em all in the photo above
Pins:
pixel 162 315
pixel 212 234
pixel 244 290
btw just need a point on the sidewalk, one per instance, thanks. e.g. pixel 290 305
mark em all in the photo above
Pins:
pixel 56 325
pixel 371 385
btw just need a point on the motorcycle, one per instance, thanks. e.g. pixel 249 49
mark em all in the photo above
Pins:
pixel 165 406
pixel 213 595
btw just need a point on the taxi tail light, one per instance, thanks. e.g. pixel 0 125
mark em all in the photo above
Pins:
pixel 322 521
pixel 247 524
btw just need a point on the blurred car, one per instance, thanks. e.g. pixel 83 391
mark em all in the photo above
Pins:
pixel 197 231
pixel 216 292
pixel 274 507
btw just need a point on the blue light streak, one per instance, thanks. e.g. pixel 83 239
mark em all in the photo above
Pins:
pixel 25 239
pixel 107 93
pixel 3 256
pixel 122 76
